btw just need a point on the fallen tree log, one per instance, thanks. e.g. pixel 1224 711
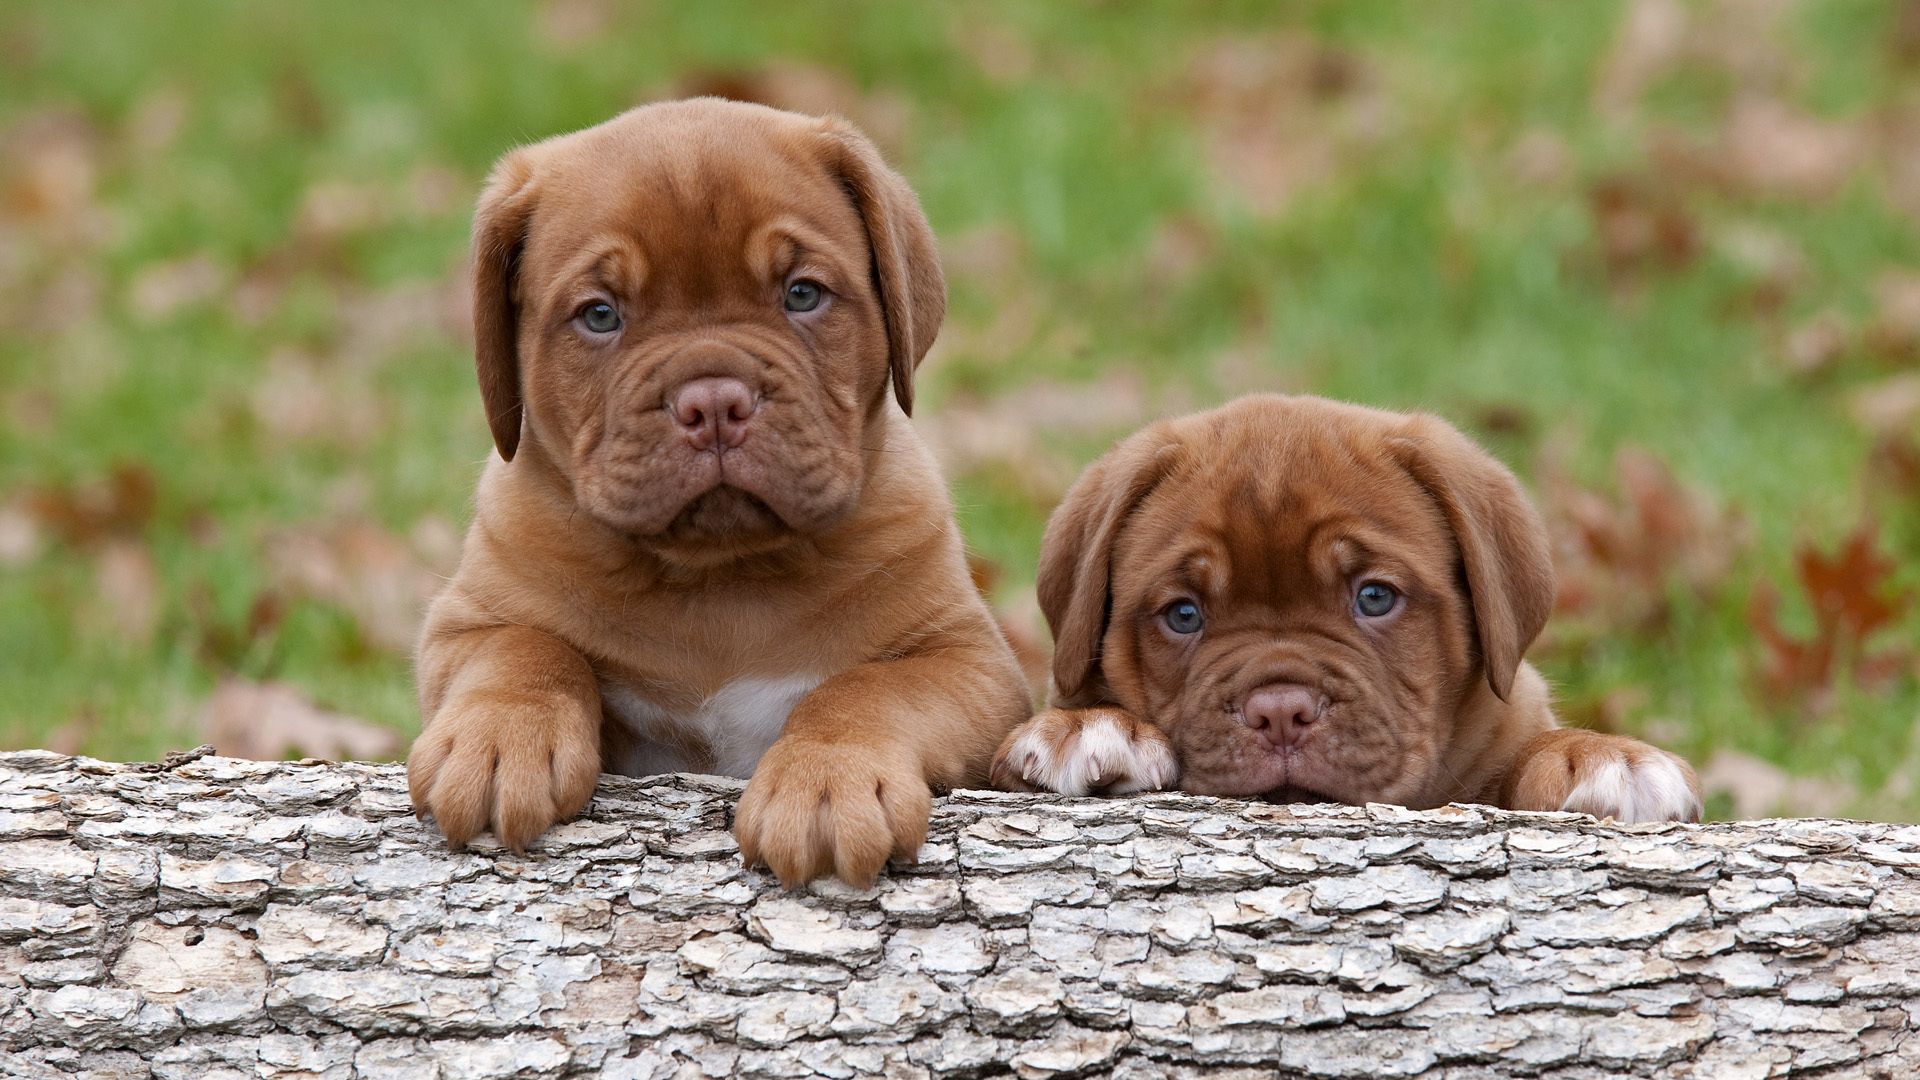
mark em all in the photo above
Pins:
pixel 210 917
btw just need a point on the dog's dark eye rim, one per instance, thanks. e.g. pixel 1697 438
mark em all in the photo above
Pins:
pixel 1183 617
pixel 601 310
pixel 803 295
pixel 1374 599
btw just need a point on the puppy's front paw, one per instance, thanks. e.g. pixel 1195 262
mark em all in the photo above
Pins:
pixel 815 808
pixel 1608 776
pixel 1078 751
pixel 516 766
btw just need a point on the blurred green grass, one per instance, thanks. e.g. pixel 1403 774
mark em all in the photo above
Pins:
pixel 1407 218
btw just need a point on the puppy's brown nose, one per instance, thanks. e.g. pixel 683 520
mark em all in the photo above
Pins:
pixel 713 411
pixel 1282 712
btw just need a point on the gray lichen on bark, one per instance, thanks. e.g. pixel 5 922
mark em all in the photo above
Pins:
pixel 211 917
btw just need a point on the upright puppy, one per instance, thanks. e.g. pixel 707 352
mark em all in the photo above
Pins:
pixel 1296 599
pixel 711 540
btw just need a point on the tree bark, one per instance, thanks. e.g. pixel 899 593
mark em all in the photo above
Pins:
pixel 211 917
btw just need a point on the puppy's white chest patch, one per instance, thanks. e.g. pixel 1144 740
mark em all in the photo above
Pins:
pixel 725 734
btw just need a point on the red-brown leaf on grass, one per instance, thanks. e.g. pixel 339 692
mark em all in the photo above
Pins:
pixel 1620 556
pixel 274 721
pixel 1892 335
pixel 1852 601
pixel 1904 41
pixel 1279 114
pixel 380 579
pixel 117 505
pixel 226 645
pixel 1640 228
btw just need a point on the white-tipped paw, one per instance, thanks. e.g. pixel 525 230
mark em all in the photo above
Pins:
pixel 1101 750
pixel 1608 776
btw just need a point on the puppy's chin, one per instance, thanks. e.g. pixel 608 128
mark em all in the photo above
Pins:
pixel 1225 759
pixel 711 528
pixel 724 513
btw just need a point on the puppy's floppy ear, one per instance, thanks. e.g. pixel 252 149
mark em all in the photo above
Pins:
pixel 906 263
pixel 1504 550
pixel 499 231
pixel 1076 558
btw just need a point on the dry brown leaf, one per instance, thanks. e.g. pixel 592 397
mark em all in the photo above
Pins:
pixel 157 121
pixel 128 591
pixel 381 580
pixel 1649 44
pixel 224 645
pixel 20 538
pixel 49 169
pixel 1853 599
pixel 1279 114
pixel 73 736
pixel 1892 335
pixel 1180 246
pixel 1007 433
pixel 274 721
pixel 568 24
pixel 1000 54
pixel 1774 264
pixel 1815 346
pixel 1759 789
pixel 119 504
pixel 298 401
pixel 1641 227
pixel 1890 406
pixel 1769 147
pixel 1540 158
pixel 166 288
pixel 1737 39
pixel 1621 555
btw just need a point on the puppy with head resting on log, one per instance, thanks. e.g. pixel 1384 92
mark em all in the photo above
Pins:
pixel 1300 600
pixel 711 540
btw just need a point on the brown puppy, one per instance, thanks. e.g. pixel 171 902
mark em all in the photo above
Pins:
pixel 711 541
pixel 1297 599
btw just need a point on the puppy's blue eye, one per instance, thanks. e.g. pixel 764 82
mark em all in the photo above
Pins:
pixel 804 295
pixel 600 318
pixel 1375 599
pixel 1183 617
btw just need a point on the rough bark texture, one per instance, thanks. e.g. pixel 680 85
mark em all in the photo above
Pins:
pixel 209 917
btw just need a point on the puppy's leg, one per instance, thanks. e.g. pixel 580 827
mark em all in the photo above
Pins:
pixel 1608 776
pixel 850 780
pixel 512 737
pixel 1103 749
